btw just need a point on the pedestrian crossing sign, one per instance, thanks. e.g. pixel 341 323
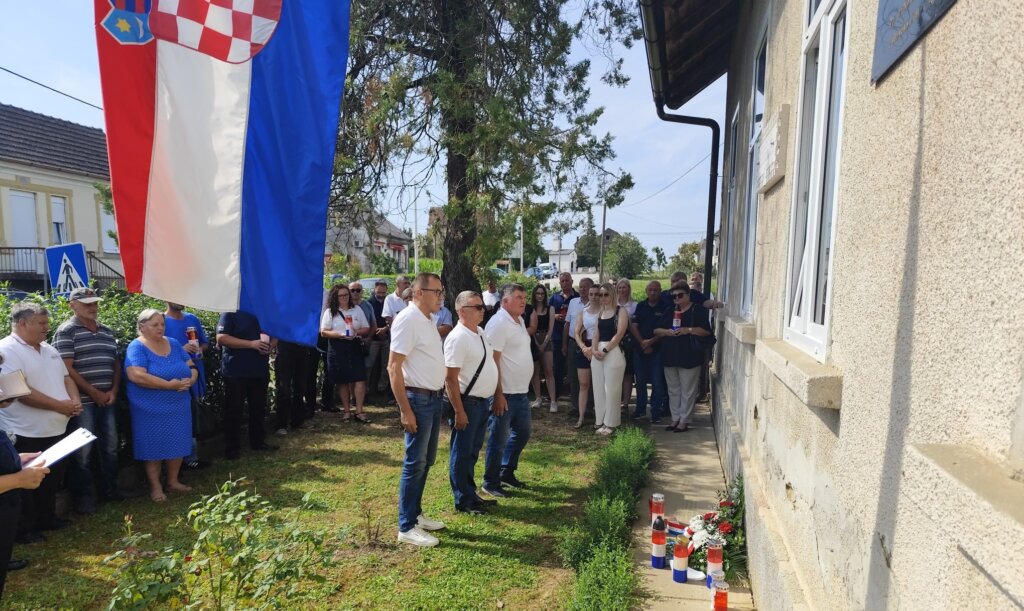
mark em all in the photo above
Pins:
pixel 67 269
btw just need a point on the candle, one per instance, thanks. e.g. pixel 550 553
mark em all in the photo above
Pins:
pixel 657 506
pixel 658 540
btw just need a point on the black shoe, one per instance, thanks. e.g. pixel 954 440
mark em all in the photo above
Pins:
pixel 485 502
pixel 496 492
pixel 511 480
pixel 476 510
pixel 265 447
pixel 30 537
pixel 56 524
pixel 16 565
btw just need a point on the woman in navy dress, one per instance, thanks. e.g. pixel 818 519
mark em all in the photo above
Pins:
pixel 160 374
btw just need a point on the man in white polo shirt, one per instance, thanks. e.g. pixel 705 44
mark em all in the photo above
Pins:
pixel 507 334
pixel 40 419
pixel 417 371
pixel 471 382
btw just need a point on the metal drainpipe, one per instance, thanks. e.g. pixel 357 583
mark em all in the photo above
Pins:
pixel 709 244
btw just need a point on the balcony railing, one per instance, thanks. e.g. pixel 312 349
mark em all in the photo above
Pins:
pixel 29 264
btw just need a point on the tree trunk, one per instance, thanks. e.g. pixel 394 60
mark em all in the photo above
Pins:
pixel 461 216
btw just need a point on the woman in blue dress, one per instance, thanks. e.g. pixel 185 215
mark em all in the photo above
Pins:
pixel 160 374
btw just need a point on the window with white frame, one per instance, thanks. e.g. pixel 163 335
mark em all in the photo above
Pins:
pixel 754 154
pixel 820 123
pixel 108 229
pixel 730 206
pixel 58 220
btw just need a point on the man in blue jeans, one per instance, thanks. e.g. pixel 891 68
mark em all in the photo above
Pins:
pixel 417 371
pixel 471 382
pixel 507 334
pixel 647 358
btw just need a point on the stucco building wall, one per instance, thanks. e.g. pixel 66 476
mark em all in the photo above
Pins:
pixel 881 475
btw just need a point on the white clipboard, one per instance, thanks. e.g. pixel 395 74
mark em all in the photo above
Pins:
pixel 62 448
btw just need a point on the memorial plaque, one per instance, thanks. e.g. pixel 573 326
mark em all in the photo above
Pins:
pixel 901 23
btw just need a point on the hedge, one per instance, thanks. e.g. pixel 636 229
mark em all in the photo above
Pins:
pixel 597 545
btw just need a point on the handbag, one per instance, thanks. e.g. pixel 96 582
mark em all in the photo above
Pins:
pixel 447 410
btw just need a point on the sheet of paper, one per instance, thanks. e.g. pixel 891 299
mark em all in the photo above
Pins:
pixel 62 448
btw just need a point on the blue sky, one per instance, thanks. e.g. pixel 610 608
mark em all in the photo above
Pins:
pixel 54 43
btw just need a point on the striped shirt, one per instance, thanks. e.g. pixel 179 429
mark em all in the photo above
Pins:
pixel 94 355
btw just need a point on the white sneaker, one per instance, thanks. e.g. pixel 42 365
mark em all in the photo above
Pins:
pixel 536 404
pixel 417 537
pixel 554 407
pixel 427 524
pixel 282 432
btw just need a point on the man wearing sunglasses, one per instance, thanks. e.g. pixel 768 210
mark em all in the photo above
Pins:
pixel 471 382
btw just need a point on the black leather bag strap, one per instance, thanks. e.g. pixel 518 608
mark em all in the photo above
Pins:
pixel 476 375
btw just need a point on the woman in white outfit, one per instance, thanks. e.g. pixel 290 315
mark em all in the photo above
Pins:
pixel 583 331
pixel 624 293
pixel 608 364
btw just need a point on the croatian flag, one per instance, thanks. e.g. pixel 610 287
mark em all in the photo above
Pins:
pixel 221 121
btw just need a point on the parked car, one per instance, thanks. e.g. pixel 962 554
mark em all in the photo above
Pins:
pixel 548 270
pixel 13 294
pixel 500 273
pixel 369 283
pixel 533 272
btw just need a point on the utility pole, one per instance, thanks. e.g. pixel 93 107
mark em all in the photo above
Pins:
pixel 604 218
pixel 416 237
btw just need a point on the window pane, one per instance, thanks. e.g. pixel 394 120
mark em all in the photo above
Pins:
pixel 108 226
pixel 831 168
pixel 758 94
pixel 812 7
pixel 808 109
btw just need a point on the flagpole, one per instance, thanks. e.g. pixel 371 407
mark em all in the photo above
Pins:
pixel 416 237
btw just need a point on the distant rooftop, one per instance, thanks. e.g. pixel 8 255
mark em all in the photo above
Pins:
pixel 34 139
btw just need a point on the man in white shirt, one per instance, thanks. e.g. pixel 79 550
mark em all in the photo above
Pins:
pixel 569 347
pixel 491 296
pixel 41 418
pixel 507 334
pixel 393 303
pixel 471 381
pixel 417 371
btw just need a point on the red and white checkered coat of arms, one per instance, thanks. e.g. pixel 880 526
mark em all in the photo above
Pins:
pixel 230 30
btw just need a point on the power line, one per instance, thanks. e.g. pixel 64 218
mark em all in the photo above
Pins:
pixel 677 179
pixel 67 95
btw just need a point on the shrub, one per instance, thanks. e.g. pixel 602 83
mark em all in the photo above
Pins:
pixel 605 521
pixel 246 554
pixel 624 465
pixel 606 581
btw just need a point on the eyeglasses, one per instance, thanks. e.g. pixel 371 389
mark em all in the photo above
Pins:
pixel 357 290
pixel 476 306
pixel 437 292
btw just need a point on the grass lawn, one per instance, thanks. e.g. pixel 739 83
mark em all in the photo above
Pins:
pixel 504 559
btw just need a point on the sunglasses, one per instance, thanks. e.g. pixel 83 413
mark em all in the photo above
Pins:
pixel 357 290
pixel 477 306
pixel 678 295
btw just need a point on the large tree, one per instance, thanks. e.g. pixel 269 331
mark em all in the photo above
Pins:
pixel 486 91
pixel 627 257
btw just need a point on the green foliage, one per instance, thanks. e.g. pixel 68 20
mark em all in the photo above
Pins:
pixel 492 89
pixel 624 465
pixel 627 257
pixel 246 554
pixel 660 260
pixel 381 263
pixel 588 246
pixel 606 581
pixel 687 259
pixel 106 204
pixel 605 521
pixel 597 545
pixel 431 265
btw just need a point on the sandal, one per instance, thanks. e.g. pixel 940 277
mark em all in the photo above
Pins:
pixel 362 418
pixel 578 424
pixel 346 417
